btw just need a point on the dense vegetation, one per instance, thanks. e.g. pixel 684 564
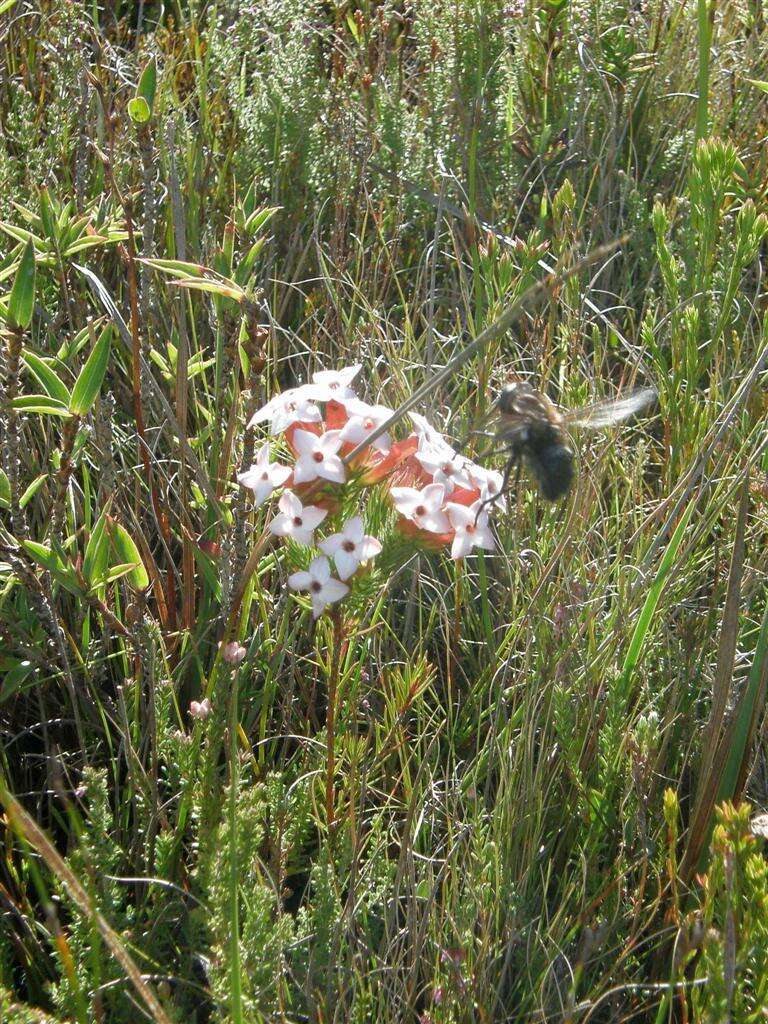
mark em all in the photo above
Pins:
pixel 519 786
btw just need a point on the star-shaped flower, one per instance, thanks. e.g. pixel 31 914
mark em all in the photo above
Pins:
pixel 363 419
pixel 472 529
pixel 329 385
pixel 488 481
pixel 444 466
pixel 350 547
pixel 295 520
pixel 295 405
pixel 323 589
pixel 318 456
pixel 428 435
pixel 263 476
pixel 423 507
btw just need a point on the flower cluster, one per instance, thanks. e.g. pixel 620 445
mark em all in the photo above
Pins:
pixel 442 498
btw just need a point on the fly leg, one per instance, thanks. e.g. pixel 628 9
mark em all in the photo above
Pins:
pixel 514 462
pixel 475 433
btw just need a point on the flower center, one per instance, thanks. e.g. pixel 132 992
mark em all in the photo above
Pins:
pixel 420 510
pixel 298 521
pixel 348 545
pixel 291 407
pixel 334 386
pixel 448 469
pixel 470 528
pixel 315 587
pixel 317 456
pixel 265 475
pixel 368 424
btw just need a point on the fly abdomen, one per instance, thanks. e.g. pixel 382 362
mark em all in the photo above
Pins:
pixel 553 467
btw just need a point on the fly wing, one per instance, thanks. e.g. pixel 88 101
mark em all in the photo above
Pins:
pixel 611 411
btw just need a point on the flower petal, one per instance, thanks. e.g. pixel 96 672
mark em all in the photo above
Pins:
pixel 304 441
pixel 333 590
pixel 332 468
pixel 313 516
pixel 304 470
pixel 369 548
pixel 331 544
pixel 346 563
pixel 289 504
pixel 299 580
pixel 320 569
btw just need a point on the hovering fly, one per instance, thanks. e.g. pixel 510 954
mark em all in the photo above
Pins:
pixel 534 433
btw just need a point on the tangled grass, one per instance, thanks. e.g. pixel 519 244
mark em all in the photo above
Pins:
pixel 514 786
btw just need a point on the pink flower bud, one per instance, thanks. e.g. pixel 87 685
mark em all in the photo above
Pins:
pixel 200 709
pixel 233 653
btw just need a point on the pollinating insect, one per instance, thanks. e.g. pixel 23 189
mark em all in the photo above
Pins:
pixel 534 432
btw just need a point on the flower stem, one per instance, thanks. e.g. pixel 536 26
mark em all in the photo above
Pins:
pixel 330 723
pixel 236 1008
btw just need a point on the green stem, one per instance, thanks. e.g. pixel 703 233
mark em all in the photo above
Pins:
pixel 234 960
pixel 705 16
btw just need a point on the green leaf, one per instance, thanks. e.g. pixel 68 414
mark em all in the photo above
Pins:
pixel 5 490
pixel 40 403
pixel 758 84
pixel 180 268
pixel 32 490
pixel 96 555
pixel 138 110
pixel 50 382
pixel 22 301
pixel 148 84
pixel 56 566
pixel 259 218
pixel 90 378
pixel 229 290
pixel 654 594
pixel 126 550
pixel 44 556
pixel 117 572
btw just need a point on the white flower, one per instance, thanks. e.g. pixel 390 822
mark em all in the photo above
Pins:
pixel 424 507
pixel 318 456
pixel 350 547
pixel 471 526
pixel 426 432
pixel 445 466
pixel 489 482
pixel 323 589
pixel 334 385
pixel 292 406
pixel 263 476
pixel 296 521
pixel 363 419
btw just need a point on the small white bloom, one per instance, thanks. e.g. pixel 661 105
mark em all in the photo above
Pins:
pixel 424 506
pixel 323 589
pixel 350 547
pixel 445 466
pixel 318 457
pixel 296 521
pixel 488 481
pixel 363 419
pixel 471 526
pixel 426 432
pixel 263 476
pixel 295 405
pixel 334 385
